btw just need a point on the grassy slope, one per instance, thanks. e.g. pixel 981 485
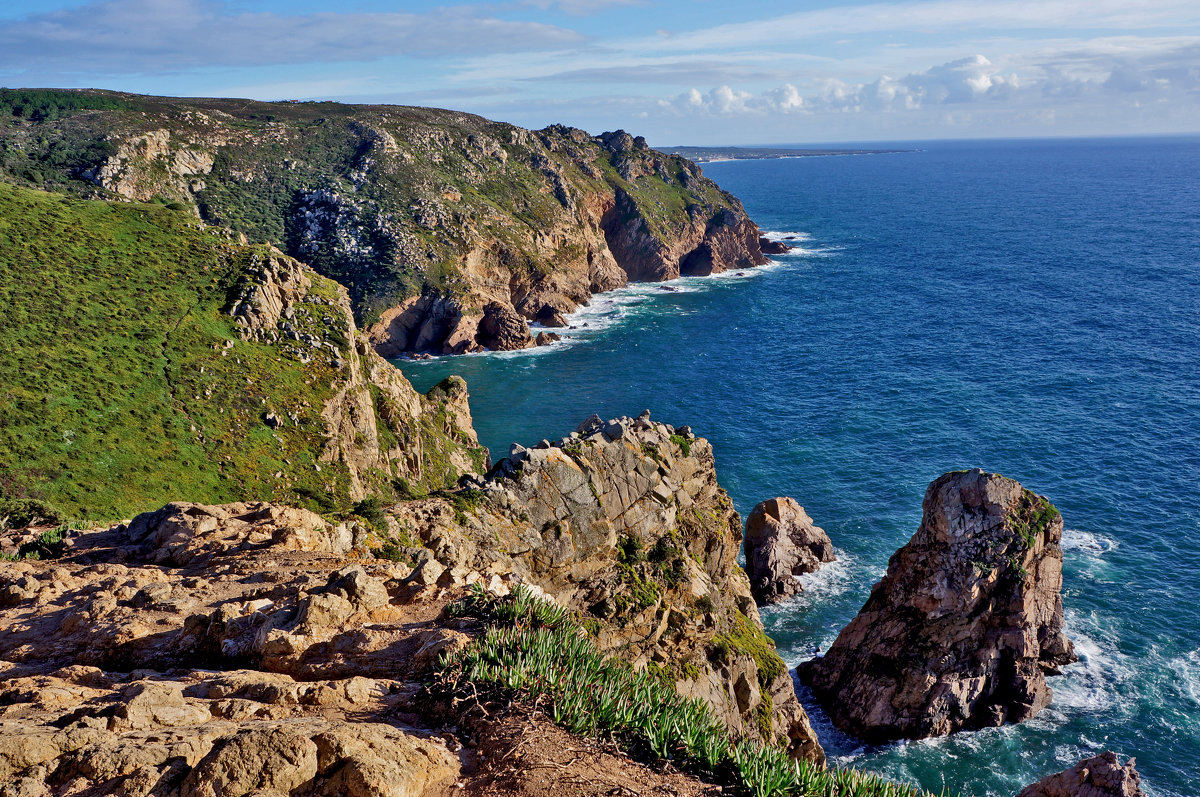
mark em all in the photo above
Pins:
pixel 114 394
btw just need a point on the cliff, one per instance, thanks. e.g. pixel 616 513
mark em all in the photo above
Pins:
pixel 151 359
pixel 235 648
pixel 439 223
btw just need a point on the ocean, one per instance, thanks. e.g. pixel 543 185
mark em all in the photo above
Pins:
pixel 1027 307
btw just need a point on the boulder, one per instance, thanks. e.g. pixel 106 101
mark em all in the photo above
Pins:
pixel 1099 776
pixel 546 338
pixel 503 329
pixel 965 626
pixel 770 247
pixel 781 543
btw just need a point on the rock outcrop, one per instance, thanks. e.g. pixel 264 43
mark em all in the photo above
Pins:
pixel 377 426
pixel 624 521
pixel 429 217
pixel 965 626
pixel 1098 776
pixel 781 543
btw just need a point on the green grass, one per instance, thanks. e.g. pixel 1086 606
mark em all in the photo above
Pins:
pixel 537 652
pixel 124 383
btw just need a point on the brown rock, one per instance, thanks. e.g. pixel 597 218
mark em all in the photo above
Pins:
pixel 770 247
pixel 1099 776
pixel 966 624
pixel 502 329
pixel 781 543
pixel 546 338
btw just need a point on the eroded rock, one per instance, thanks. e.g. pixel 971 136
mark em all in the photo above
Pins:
pixel 965 626
pixel 1098 776
pixel 781 543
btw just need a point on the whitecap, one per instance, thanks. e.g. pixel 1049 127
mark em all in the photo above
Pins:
pixel 1186 671
pixel 1087 542
pixel 1097 682
pixel 786 236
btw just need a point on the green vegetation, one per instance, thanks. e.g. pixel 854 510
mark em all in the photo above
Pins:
pixel 370 509
pixel 42 105
pixel 684 444
pixel 1032 518
pixel 746 638
pixel 126 384
pixel 536 652
pixel 48 545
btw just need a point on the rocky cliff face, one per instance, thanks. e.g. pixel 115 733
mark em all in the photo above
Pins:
pixel 781 543
pixel 624 521
pixel 377 426
pixel 429 217
pixel 1099 776
pixel 965 626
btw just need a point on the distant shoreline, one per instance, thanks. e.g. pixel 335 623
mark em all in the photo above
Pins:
pixel 718 154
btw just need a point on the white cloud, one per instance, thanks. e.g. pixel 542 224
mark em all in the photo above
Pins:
pixel 939 16
pixel 962 82
pixel 134 36
pixel 581 7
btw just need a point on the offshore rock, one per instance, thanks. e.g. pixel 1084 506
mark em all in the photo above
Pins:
pixel 770 247
pixel 502 329
pixel 965 626
pixel 1099 776
pixel 781 543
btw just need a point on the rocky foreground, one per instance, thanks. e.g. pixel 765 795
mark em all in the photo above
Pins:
pixel 253 648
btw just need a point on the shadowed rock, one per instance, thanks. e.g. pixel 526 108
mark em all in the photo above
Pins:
pixel 966 624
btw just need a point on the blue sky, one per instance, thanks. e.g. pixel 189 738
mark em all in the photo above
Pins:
pixel 676 71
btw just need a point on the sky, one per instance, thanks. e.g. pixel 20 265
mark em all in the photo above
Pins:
pixel 706 72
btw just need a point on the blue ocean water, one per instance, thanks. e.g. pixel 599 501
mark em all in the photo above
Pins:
pixel 1027 307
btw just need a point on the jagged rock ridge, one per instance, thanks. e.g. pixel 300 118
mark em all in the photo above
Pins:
pixel 965 626
pixel 248 647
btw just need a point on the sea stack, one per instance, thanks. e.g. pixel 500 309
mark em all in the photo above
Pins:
pixel 782 543
pixel 966 624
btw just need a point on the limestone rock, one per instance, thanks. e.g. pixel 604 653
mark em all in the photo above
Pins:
pixel 1099 776
pixel 781 543
pixel 965 626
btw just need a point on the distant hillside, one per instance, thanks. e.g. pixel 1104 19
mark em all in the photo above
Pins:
pixel 147 359
pixel 447 229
